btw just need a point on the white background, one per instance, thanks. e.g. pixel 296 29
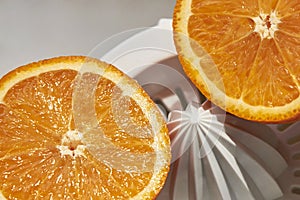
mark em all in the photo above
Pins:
pixel 31 30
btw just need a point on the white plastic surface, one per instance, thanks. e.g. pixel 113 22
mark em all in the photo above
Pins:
pixel 248 160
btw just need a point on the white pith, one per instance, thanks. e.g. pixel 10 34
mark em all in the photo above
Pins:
pixel 266 25
pixel 68 147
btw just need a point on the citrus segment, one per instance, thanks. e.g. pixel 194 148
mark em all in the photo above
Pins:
pixel 36 99
pixel 290 49
pixel 59 141
pixel 266 83
pixel 233 66
pixel 211 31
pixel 21 174
pixel 267 6
pixel 235 7
pixel 289 26
pixel 242 55
pixel 21 133
pixel 286 8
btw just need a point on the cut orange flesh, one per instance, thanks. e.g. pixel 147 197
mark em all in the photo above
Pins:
pixel 78 128
pixel 243 55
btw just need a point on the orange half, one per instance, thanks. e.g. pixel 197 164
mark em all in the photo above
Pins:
pixel 78 128
pixel 243 55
